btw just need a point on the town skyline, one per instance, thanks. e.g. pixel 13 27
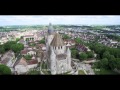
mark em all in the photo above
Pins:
pixel 6 20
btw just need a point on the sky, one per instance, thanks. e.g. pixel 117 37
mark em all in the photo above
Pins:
pixel 59 19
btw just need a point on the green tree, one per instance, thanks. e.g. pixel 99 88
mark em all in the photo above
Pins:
pixel 2 50
pixel 4 70
pixel 21 37
pixel 106 54
pixel 66 36
pixel 17 47
pixel 104 63
pixel 17 39
pixel 28 57
pixel 90 54
pixel 74 53
pixel 83 56
pixel 118 63
pixel 42 41
pixel 8 45
pixel 112 62
pixel 78 40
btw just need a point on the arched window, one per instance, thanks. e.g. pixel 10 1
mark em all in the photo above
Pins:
pixel 61 47
pixel 55 47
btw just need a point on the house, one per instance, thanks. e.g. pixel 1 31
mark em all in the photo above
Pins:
pixel 69 42
pixel 22 41
pixel 42 47
pixel 28 52
pixel 8 58
pixel 22 66
pixel 28 38
pixel 32 63
pixel 81 48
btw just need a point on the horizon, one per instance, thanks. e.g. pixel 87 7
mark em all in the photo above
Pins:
pixel 14 20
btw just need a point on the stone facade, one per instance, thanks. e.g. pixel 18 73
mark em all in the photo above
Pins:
pixel 58 55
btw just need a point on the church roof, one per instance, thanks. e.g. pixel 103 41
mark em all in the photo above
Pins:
pixel 57 40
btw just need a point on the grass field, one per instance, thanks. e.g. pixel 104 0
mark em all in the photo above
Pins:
pixel 81 72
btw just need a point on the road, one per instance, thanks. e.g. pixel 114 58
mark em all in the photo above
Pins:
pixel 86 67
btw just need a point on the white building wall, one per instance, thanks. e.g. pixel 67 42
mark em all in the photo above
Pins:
pixel 62 66
pixel 21 69
pixel 31 53
pixel 50 38
pixel 32 66
pixel 59 50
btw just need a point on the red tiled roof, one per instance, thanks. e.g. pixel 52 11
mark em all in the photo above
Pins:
pixel 24 51
pixel 41 45
pixel 32 62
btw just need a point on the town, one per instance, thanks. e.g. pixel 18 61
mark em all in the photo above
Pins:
pixel 61 49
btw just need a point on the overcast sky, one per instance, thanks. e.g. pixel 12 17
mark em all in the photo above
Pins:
pixel 59 19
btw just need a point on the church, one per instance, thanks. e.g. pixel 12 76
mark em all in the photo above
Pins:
pixel 58 55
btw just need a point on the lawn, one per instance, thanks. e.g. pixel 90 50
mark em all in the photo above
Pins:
pixel 66 73
pixel 105 72
pixel 44 65
pixel 45 69
pixel 33 72
pixel 81 72
pixel 28 57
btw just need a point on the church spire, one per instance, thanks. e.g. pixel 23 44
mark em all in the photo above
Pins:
pixel 50 29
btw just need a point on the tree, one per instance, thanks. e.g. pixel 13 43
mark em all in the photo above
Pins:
pixel 42 41
pixel 104 63
pixel 4 70
pixel 2 49
pixel 17 39
pixel 66 36
pixel 112 62
pixel 28 57
pixel 17 47
pixel 78 40
pixel 106 54
pixel 97 64
pixel 74 53
pixel 90 54
pixel 118 63
pixel 21 37
pixel 83 56
pixel 8 45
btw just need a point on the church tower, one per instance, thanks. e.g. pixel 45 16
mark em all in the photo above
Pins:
pixel 58 44
pixel 58 56
pixel 50 35
pixel 53 62
pixel 69 58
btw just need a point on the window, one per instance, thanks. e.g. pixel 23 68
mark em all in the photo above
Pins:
pixel 61 47
pixel 58 47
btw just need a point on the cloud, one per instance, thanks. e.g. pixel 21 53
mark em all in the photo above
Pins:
pixel 58 19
